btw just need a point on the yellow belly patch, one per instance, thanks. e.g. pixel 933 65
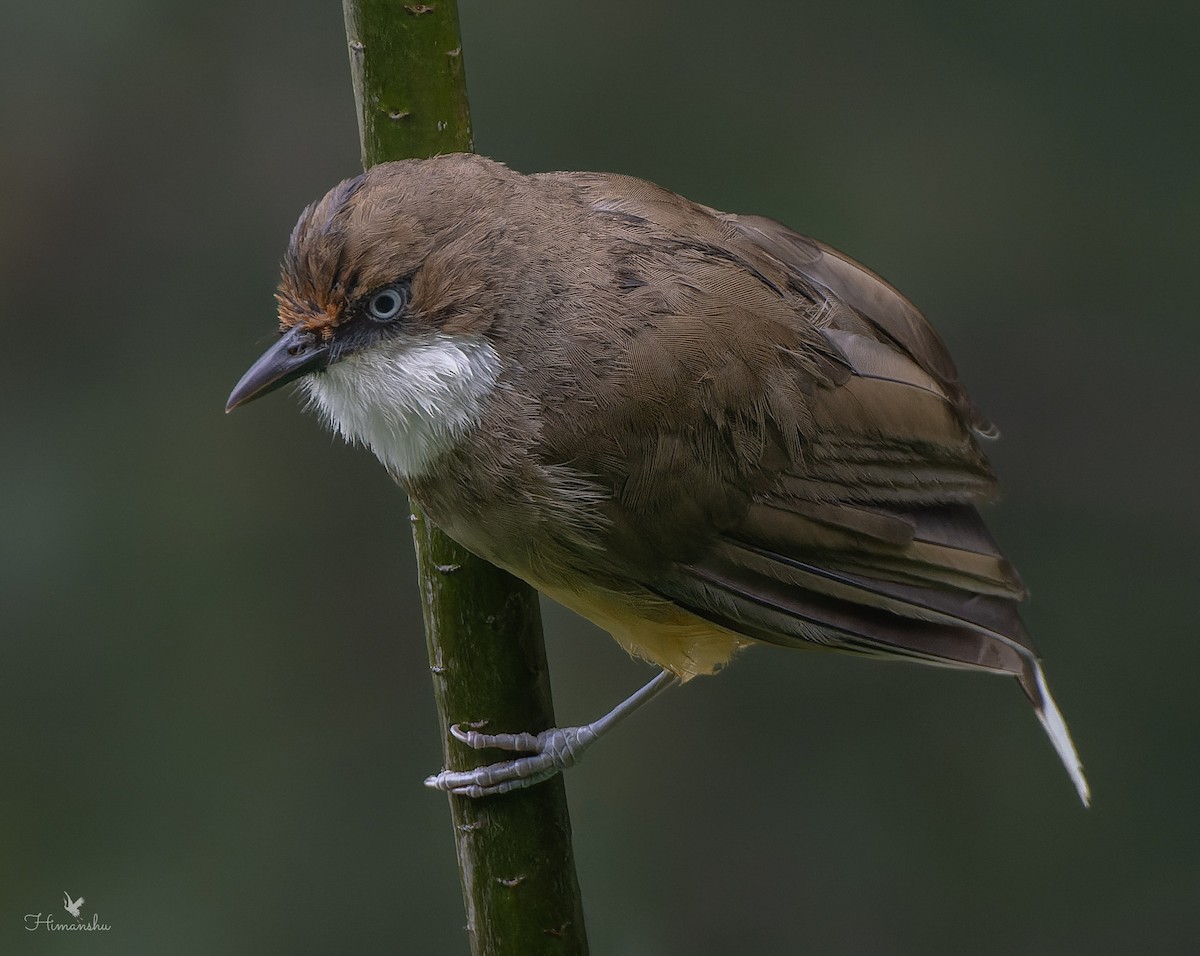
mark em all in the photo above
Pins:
pixel 655 630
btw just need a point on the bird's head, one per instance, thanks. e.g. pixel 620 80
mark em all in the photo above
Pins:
pixel 390 291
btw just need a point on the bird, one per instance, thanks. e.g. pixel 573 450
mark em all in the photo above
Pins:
pixel 72 907
pixel 701 431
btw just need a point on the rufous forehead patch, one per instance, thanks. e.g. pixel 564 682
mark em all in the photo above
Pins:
pixel 319 321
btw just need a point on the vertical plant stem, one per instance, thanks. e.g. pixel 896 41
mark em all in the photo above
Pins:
pixel 483 626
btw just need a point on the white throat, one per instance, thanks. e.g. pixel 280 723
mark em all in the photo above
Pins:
pixel 408 400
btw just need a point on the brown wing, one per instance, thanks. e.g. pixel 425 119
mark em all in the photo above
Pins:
pixel 870 541
pixel 871 297
pixel 790 453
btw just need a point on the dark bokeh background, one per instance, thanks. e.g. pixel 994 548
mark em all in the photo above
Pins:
pixel 215 712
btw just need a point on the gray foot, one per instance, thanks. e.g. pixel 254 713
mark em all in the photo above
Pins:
pixel 550 752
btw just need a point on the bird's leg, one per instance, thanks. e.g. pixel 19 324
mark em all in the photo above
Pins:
pixel 550 752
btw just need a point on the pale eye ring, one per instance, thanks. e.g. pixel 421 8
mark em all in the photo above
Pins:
pixel 387 303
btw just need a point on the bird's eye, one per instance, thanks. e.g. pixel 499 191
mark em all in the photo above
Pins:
pixel 386 304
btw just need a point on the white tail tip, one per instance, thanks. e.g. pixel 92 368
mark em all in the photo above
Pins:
pixel 1056 729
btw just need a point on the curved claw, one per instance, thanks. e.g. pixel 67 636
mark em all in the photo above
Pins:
pixel 527 743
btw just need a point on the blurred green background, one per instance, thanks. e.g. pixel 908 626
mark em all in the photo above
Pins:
pixel 215 711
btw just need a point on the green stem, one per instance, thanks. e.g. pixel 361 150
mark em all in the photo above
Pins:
pixel 406 64
pixel 483 626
